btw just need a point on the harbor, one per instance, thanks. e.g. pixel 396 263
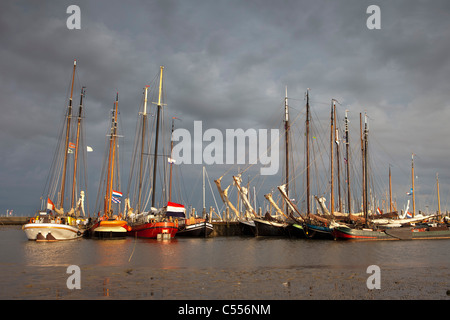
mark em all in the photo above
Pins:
pixel 224 268
pixel 225 158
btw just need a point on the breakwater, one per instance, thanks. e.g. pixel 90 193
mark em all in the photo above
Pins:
pixel 225 229
pixel 13 220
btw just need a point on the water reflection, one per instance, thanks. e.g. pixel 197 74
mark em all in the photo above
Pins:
pixel 109 252
pixel 52 254
pixel 231 252
pixel 105 287
pixel 163 254
pixel 219 267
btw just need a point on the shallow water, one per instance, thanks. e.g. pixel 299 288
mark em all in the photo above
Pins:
pixel 222 268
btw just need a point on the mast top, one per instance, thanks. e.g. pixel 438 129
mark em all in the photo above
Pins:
pixel 145 100
pixel 160 85
pixel 160 88
pixel 286 110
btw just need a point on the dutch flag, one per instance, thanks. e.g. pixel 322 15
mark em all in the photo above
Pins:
pixel 116 196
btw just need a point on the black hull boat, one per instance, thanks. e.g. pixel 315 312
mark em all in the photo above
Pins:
pixel 247 227
pixel 266 228
pixel 296 230
pixel 197 229
pixel 314 231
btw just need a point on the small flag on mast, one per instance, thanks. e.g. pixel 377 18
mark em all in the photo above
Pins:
pixel 116 197
pixel 50 204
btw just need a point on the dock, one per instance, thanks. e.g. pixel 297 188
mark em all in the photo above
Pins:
pixel 9 221
pixel 226 229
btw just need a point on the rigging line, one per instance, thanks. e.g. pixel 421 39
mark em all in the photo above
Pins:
pixel 101 185
pixel 180 185
pixel 234 165
pixel 138 126
pixel 270 148
pixel 210 187
pixel 134 246
pixel 86 175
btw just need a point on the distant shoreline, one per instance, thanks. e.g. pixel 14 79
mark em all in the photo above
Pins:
pixel 13 220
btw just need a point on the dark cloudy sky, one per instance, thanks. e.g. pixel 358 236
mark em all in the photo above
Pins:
pixel 227 64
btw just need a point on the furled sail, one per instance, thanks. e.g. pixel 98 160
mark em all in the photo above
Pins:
pixel 224 196
pixel 282 190
pixel 243 193
pixel 272 202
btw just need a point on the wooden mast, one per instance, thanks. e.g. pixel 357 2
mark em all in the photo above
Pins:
pixel 308 191
pixel 363 175
pixel 286 134
pixel 80 110
pixel 347 151
pixel 155 159
pixel 366 131
pixel 390 190
pixel 144 128
pixel 66 145
pixel 413 191
pixel 332 158
pixel 111 158
pixel 204 190
pixel 439 198
pixel 338 164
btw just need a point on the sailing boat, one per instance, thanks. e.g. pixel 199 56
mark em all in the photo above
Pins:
pixel 196 226
pixel 400 229
pixel 55 223
pixel 247 221
pixel 157 222
pixel 268 225
pixel 110 225
pixel 321 227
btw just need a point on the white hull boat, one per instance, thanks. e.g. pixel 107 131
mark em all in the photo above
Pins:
pixel 51 231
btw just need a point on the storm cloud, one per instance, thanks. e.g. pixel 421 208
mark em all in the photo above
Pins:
pixel 227 64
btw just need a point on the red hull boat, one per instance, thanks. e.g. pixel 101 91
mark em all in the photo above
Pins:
pixel 152 229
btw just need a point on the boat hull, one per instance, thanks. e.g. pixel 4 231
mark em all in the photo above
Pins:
pixel 400 233
pixel 265 228
pixel 109 229
pixel 151 230
pixel 201 229
pixel 248 227
pixel 346 233
pixel 441 232
pixel 51 231
pixel 319 232
pixel 296 230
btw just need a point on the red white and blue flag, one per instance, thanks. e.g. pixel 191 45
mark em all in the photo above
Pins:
pixel 116 197
pixel 175 210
